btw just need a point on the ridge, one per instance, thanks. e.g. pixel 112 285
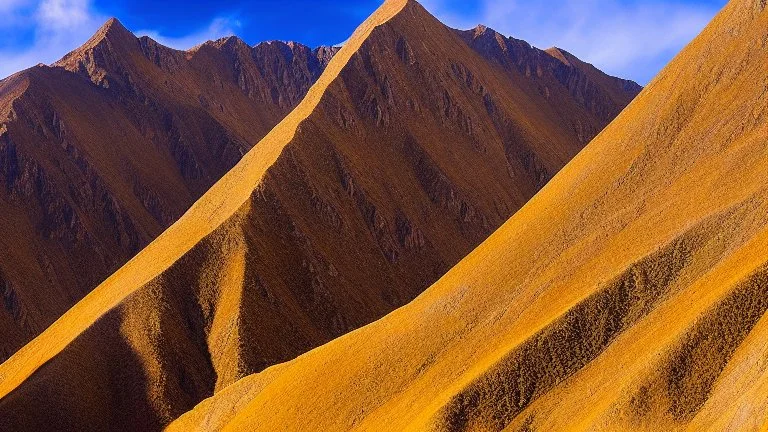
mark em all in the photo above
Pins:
pixel 148 129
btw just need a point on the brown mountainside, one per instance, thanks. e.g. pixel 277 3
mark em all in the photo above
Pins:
pixel 555 70
pixel 408 152
pixel 630 294
pixel 104 150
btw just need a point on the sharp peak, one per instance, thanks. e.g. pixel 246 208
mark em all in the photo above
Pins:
pixel 112 22
pixel 399 3
pixel 113 28
pixel 556 49
pixel 482 30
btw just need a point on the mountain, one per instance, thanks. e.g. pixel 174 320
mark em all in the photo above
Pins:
pixel 102 151
pixel 630 294
pixel 412 147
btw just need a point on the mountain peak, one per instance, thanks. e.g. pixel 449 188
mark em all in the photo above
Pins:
pixel 226 196
pixel 110 39
pixel 114 30
pixel 110 23
pixel 486 35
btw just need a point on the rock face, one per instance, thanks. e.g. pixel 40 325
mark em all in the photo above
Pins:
pixel 410 150
pixel 102 151
pixel 630 294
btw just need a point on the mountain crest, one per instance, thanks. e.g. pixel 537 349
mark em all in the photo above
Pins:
pixel 113 31
pixel 104 52
pixel 230 42
pixel 114 28
pixel 483 30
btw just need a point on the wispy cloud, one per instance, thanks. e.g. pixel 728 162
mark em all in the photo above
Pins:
pixel 625 38
pixel 55 27
pixel 57 15
pixel 218 28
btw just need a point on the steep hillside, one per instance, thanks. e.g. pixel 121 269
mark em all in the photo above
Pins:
pixel 408 152
pixel 104 150
pixel 630 294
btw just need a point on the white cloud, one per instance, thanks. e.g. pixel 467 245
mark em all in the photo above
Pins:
pixel 56 26
pixel 218 28
pixel 629 39
pixel 64 14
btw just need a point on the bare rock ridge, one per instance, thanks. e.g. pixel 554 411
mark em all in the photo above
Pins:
pixel 631 293
pixel 108 147
pixel 410 149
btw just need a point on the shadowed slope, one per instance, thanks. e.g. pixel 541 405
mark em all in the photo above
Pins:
pixel 408 152
pixel 104 150
pixel 627 295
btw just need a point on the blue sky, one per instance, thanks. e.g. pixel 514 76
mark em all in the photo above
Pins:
pixel 629 38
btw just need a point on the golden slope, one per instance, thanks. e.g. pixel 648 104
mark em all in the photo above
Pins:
pixel 630 294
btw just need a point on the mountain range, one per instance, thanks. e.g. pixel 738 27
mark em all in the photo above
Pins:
pixel 631 293
pixel 431 229
pixel 367 193
pixel 112 144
